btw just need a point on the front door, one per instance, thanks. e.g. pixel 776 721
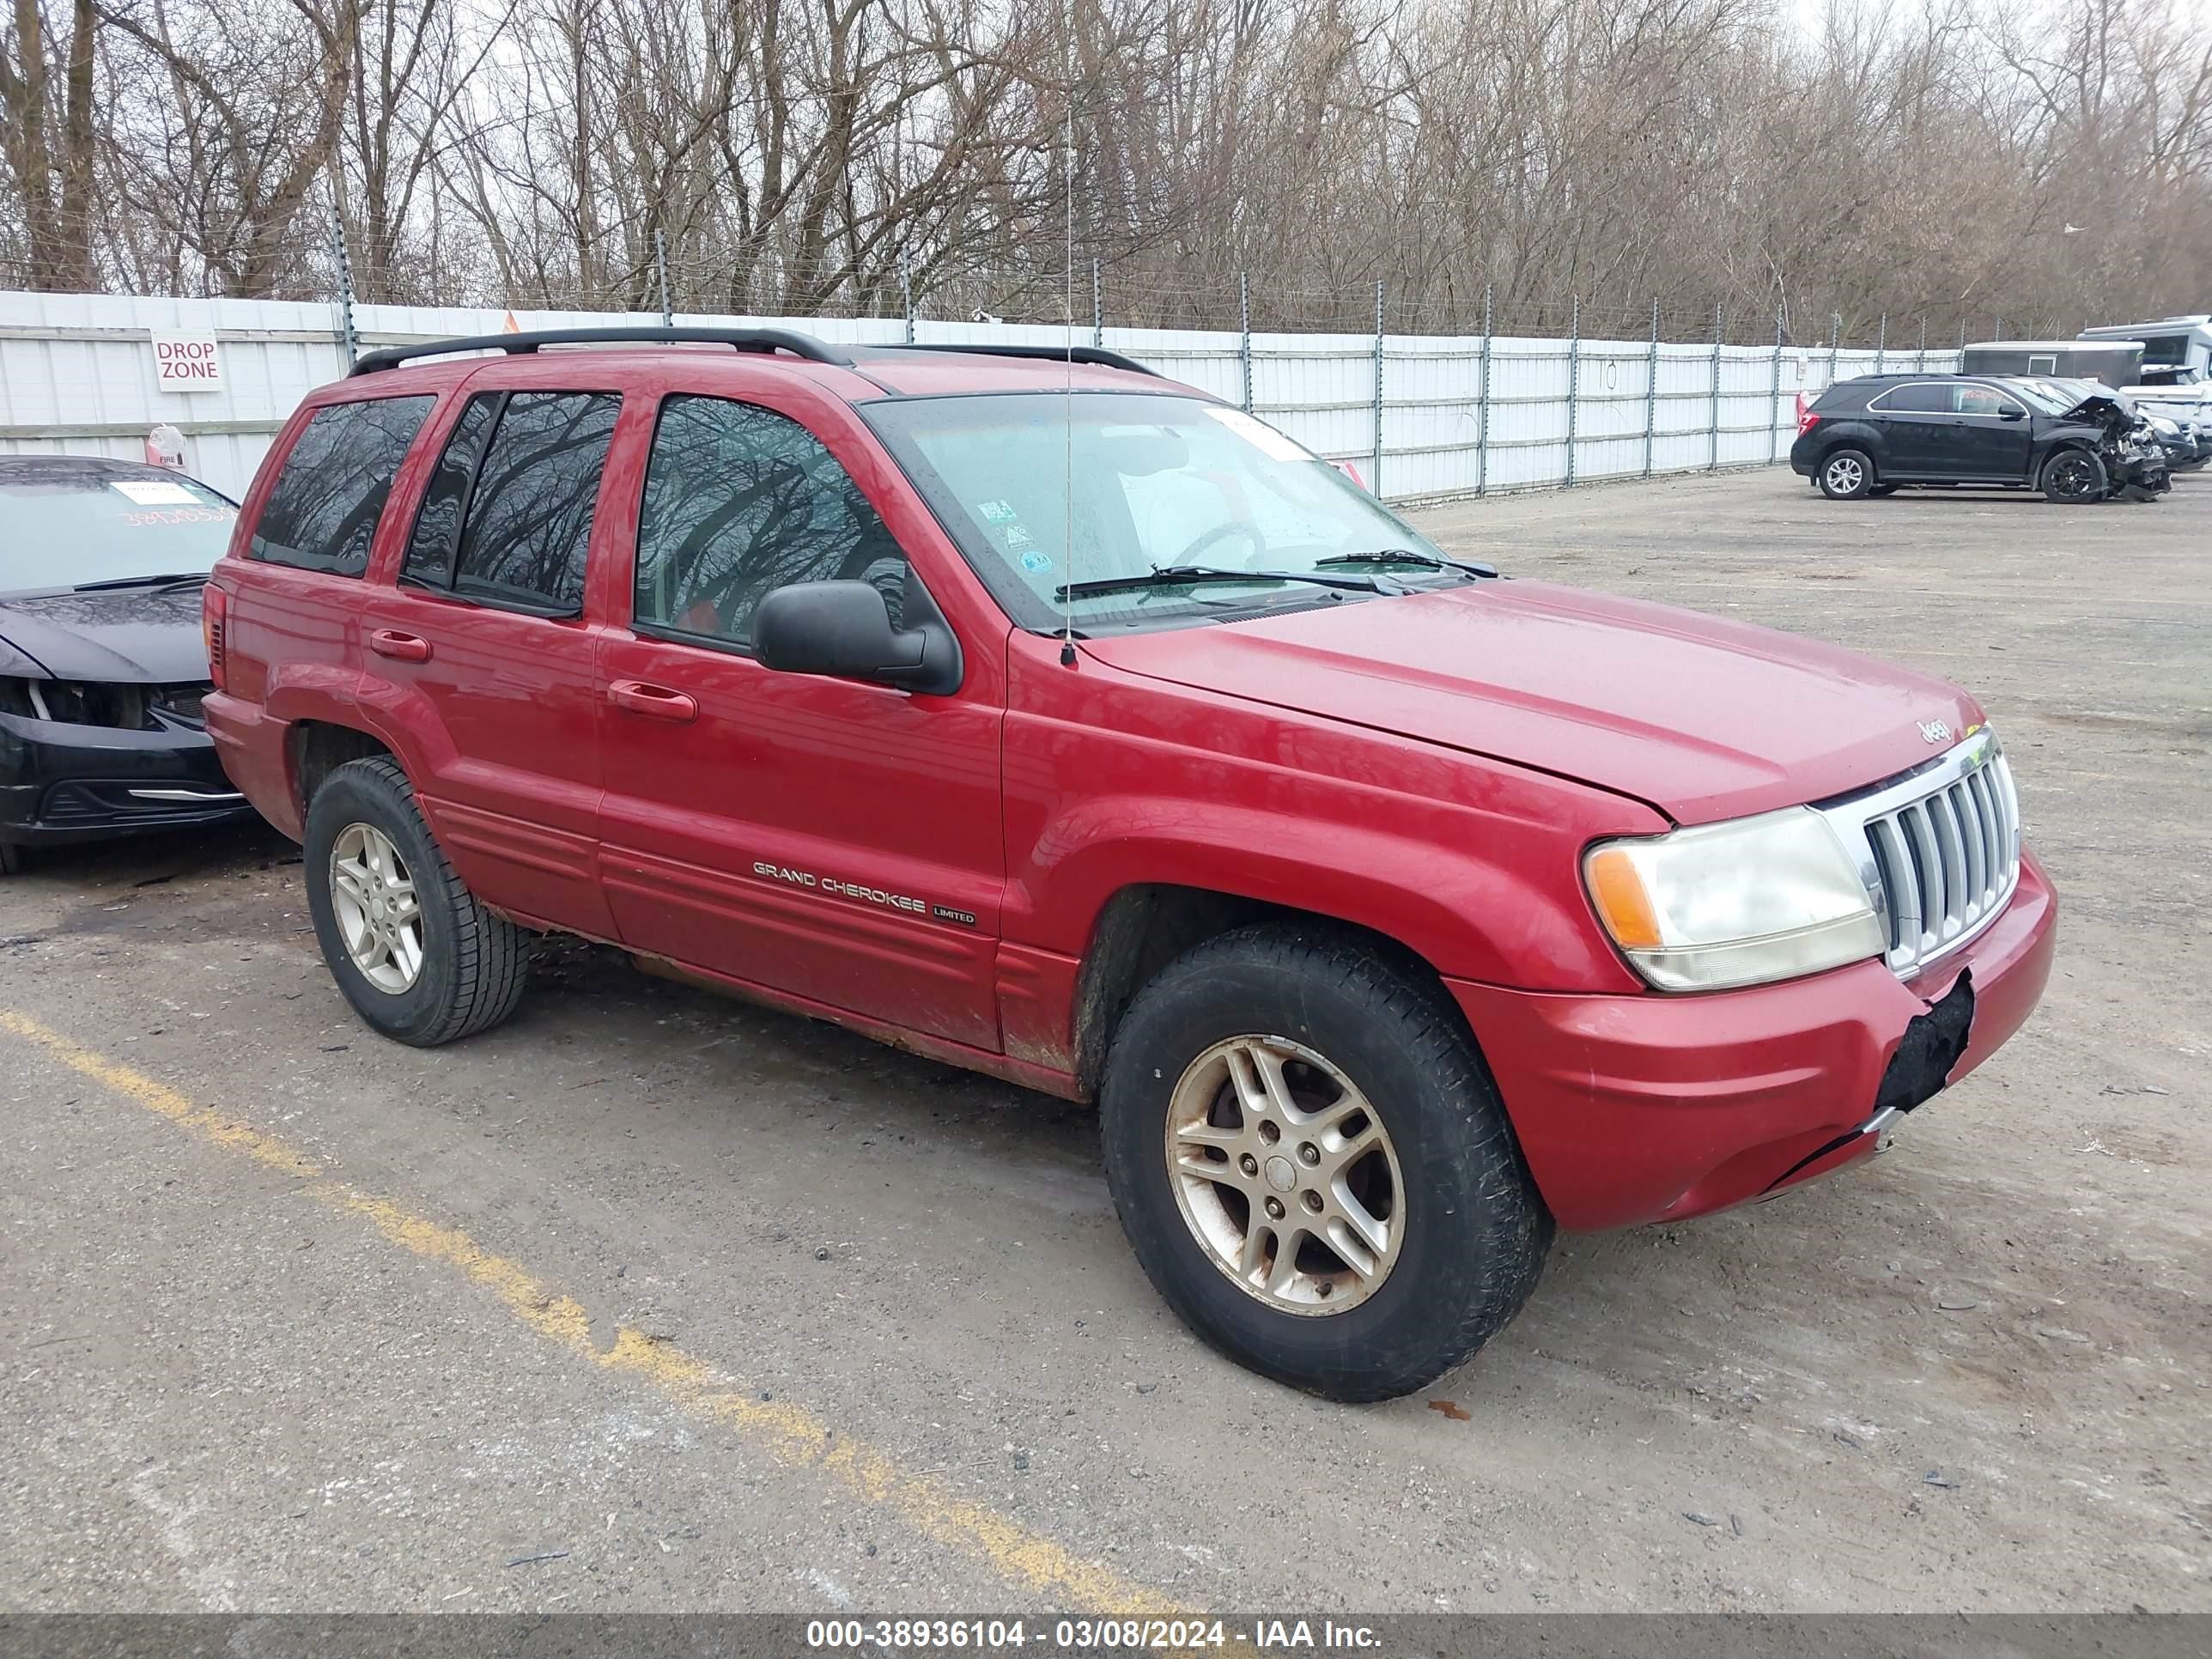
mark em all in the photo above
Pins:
pixel 1994 435
pixel 483 653
pixel 832 841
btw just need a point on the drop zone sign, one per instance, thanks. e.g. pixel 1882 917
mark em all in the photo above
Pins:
pixel 186 363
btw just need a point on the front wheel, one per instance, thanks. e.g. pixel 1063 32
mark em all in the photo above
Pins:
pixel 1311 1164
pixel 2072 478
pixel 1846 474
pixel 415 953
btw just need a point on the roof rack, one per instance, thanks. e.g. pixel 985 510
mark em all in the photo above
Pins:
pixel 1095 356
pixel 744 339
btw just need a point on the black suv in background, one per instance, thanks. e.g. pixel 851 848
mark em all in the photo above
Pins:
pixel 1874 433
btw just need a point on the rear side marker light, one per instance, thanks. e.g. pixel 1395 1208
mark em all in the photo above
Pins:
pixel 215 610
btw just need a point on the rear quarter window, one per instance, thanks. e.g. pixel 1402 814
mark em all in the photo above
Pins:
pixel 323 512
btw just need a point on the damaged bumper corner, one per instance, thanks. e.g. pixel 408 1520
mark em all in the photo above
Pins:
pixel 1638 1108
pixel 1934 1042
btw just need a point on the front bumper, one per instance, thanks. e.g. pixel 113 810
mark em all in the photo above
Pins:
pixel 63 783
pixel 1651 1107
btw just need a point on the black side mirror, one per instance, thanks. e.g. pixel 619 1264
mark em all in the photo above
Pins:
pixel 843 629
pixel 2011 412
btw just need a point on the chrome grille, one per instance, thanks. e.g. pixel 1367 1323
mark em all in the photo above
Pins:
pixel 1939 850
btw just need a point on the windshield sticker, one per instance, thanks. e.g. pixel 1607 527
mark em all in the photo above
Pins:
pixel 1035 562
pixel 1018 535
pixel 155 492
pixel 998 511
pixel 1264 438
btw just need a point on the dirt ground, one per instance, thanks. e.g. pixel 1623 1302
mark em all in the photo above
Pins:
pixel 650 1300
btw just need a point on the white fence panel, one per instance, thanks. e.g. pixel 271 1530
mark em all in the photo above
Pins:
pixel 1457 415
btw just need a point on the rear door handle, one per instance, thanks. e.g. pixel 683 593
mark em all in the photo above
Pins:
pixel 655 702
pixel 402 648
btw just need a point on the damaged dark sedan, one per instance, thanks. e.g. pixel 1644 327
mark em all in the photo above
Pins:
pixel 1877 433
pixel 102 662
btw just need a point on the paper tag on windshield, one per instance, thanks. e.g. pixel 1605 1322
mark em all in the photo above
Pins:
pixel 155 492
pixel 1269 442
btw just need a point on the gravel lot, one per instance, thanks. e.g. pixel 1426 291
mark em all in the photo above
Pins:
pixel 650 1300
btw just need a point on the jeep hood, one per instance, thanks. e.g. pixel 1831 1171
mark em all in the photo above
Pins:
pixel 1701 717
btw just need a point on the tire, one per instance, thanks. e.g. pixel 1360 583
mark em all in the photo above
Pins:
pixel 1845 474
pixel 2073 478
pixel 1885 489
pixel 1467 1229
pixel 12 858
pixel 468 965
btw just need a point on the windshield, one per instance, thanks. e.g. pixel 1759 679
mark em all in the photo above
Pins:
pixel 67 524
pixel 1156 481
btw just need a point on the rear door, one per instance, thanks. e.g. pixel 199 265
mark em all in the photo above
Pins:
pixel 482 650
pixel 1919 428
pixel 832 841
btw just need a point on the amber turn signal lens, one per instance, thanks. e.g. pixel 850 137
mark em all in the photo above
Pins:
pixel 1622 903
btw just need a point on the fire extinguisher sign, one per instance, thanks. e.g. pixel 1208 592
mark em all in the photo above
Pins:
pixel 186 363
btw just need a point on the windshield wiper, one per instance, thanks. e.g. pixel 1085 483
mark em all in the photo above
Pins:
pixel 1406 556
pixel 181 579
pixel 1193 575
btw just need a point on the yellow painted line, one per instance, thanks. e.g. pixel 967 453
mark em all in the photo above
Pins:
pixel 791 1435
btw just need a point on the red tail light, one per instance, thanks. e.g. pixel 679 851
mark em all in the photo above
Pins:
pixel 214 608
pixel 1807 422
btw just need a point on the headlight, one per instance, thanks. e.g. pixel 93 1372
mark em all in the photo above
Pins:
pixel 1734 904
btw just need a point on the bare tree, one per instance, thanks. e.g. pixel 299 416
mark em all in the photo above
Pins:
pixel 235 120
pixel 2047 161
pixel 47 142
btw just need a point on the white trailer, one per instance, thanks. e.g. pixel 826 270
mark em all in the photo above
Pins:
pixel 2176 350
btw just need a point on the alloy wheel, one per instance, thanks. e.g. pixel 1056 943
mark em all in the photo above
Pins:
pixel 1845 474
pixel 2073 476
pixel 1286 1175
pixel 378 916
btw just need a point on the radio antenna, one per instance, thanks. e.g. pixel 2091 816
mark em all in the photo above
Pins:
pixel 1067 180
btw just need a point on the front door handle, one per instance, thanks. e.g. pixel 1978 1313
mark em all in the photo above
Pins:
pixel 402 648
pixel 653 702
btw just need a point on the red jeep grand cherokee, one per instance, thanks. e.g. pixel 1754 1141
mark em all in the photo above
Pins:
pixel 1053 720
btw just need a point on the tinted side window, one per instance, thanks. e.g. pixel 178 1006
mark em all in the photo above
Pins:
pixel 530 512
pixel 1927 397
pixel 438 521
pixel 739 501
pixel 330 493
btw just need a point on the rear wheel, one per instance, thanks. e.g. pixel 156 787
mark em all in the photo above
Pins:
pixel 417 955
pixel 1846 474
pixel 2073 476
pixel 1310 1162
